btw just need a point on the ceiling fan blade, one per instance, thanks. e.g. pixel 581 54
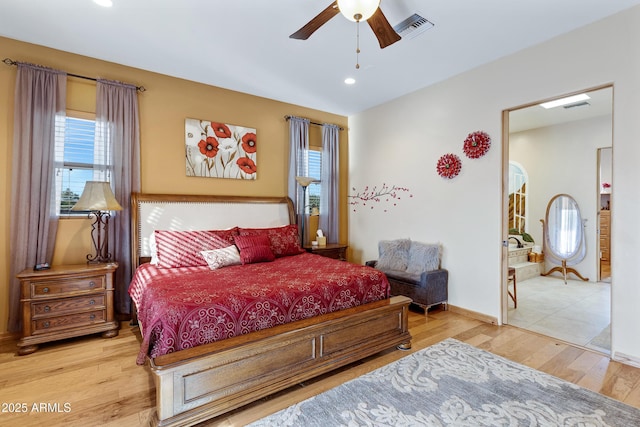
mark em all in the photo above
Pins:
pixel 317 22
pixel 382 29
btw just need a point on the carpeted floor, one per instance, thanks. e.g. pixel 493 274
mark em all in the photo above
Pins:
pixel 453 383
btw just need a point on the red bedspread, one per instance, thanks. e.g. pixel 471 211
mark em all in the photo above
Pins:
pixel 180 308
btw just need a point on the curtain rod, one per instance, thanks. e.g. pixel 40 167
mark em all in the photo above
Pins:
pixel 9 61
pixel 313 123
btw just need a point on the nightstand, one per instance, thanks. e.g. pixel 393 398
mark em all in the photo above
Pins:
pixel 331 250
pixel 66 301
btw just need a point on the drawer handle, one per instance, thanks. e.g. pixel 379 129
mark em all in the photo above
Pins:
pixel 45 290
pixel 47 308
pixel 46 324
pixel 92 302
pixel 93 316
pixel 92 284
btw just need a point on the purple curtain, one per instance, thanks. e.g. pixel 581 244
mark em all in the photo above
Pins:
pixel 118 137
pixel 329 180
pixel 40 99
pixel 298 164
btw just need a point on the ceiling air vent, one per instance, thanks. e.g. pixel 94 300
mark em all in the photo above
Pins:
pixel 413 26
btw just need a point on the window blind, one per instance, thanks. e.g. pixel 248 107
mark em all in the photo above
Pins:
pixel 76 160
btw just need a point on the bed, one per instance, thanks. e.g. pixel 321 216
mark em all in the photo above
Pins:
pixel 292 317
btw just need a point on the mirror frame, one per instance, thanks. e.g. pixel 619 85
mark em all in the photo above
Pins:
pixel 576 255
pixel 553 228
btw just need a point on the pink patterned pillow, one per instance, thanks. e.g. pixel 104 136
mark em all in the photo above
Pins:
pixel 284 241
pixel 254 249
pixel 182 248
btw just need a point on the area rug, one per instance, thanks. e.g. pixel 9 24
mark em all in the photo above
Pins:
pixel 453 383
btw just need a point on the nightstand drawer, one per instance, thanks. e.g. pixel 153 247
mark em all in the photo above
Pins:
pixel 54 288
pixel 79 319
pixel 66 305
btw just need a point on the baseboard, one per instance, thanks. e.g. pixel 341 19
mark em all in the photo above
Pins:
pixel 473 314
pixel 626 359
pixel 6 337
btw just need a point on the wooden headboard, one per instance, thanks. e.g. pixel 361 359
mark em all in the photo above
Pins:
pixel 150 212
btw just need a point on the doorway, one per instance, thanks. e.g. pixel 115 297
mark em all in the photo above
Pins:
pixel 563 150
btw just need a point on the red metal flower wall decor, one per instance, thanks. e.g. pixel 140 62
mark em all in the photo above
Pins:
pixel 476 144
pixel 449 166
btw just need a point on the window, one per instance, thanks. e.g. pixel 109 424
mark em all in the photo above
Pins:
pixel 313 192
pixel 78 158
pixel 517 198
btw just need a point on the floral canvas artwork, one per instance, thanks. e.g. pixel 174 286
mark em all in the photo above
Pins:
pixel 219 150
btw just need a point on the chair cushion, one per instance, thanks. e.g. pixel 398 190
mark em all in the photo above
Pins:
pixel 423 257
pixel 403 276
pixel 393 254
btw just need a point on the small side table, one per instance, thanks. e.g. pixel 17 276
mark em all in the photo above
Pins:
pixel 511 276
pixel 331 250
pixel 66 301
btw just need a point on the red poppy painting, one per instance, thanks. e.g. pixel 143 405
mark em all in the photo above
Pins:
pixel 246 164
pixel 220 150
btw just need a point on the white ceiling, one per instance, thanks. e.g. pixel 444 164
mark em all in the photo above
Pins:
pixel 244 45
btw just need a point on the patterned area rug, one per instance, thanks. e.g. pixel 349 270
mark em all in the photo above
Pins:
pixel 453 383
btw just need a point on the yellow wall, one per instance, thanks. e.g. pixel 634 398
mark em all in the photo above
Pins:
pixel 163 109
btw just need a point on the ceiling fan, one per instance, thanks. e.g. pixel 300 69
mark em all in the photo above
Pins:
pixel 357 11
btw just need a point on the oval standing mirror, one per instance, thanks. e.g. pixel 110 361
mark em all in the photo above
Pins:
pixel 564 238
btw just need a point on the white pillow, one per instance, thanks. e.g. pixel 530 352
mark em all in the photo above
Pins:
pixel 218 258
pixel 153 248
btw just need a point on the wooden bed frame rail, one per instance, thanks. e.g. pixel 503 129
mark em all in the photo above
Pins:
pixel 197 384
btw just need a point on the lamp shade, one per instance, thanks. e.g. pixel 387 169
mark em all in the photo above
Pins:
pixel 97 196
pixel 358 10
pixel 305 180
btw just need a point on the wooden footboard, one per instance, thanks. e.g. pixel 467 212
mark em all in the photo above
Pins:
pixel 201 383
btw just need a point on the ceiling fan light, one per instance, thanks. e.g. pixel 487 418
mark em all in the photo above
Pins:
pixel 351 9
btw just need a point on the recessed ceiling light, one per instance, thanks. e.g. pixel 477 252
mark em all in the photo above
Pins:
pixel 103 3
pixel 349 80
pixel 565 101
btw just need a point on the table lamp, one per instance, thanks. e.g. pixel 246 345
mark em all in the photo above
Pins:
pixel 98 199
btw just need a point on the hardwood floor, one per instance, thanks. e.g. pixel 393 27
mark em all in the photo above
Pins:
pixel 92 381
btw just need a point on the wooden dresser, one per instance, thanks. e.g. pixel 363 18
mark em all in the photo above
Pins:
pixel 66 301
pixel 605 236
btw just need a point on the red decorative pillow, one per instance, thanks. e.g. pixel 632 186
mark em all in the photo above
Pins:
pixel 254 249
pixel 182 248
pixel 284 241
